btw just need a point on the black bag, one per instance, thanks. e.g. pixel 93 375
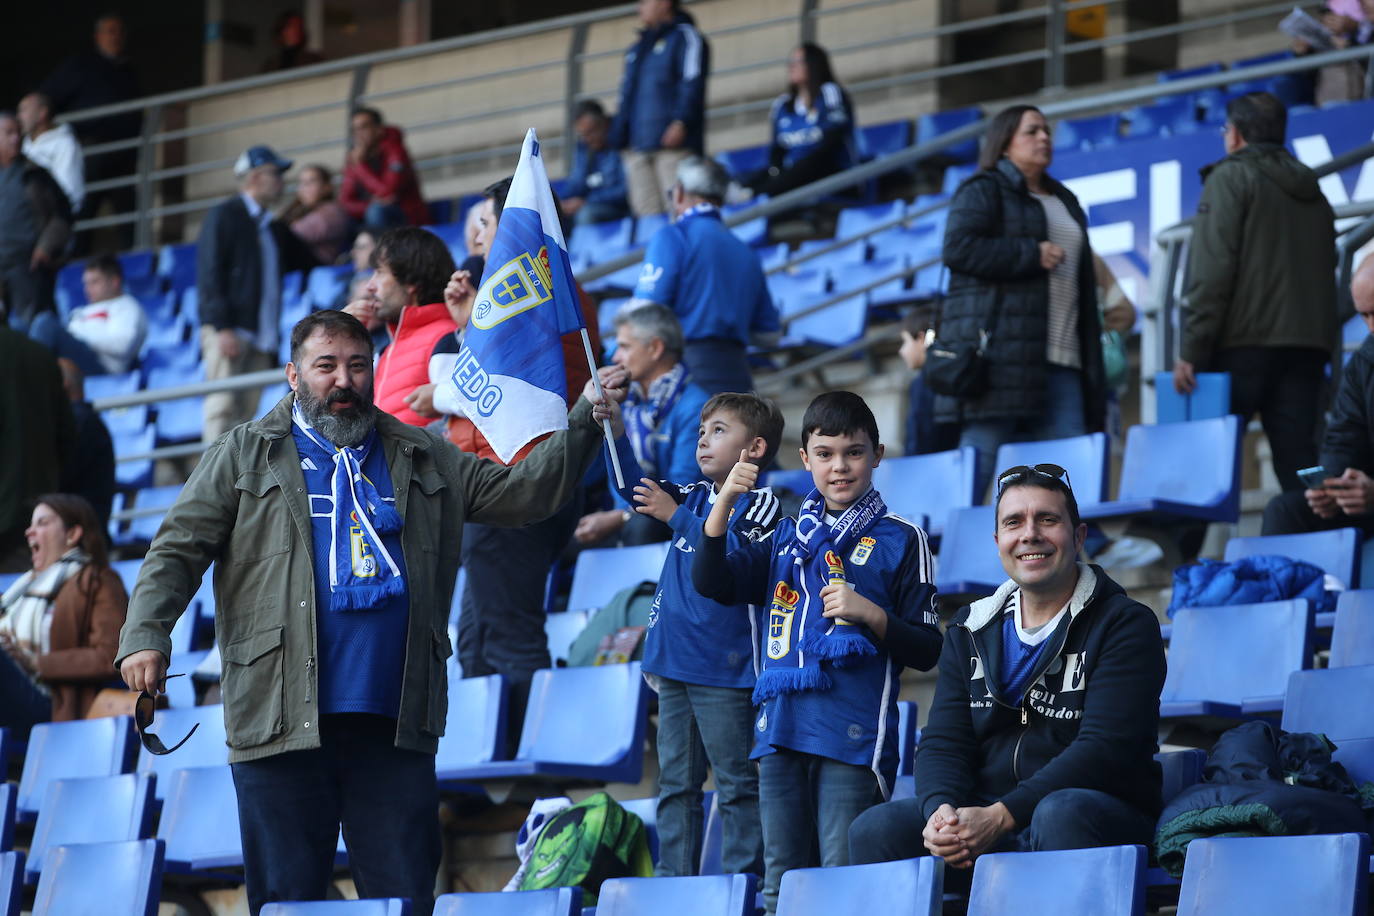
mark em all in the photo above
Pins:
pixel 960 372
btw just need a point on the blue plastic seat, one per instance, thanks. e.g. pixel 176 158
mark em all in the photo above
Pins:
pixel 112 879
pixel 391 906
pixel 599 574
pixel 182 420
pixel 134 474
pixel 935 124
pixel 190 305
pixel 1275 876
pixel 912 887
pixel 1169 76
pixel 1084 457
pixel 1234 660
pixel 1154 481
pixel 742 162
pixel 176 356
pixel 1331 701
pixel 798 481
pixel 794 290
pixel 646 809
pixel 1087 133
pixel 100 809
pixel 556 901
pixel 853 221
pixel 836 324
pixel 562 629
pixel 1336 552
pixel 597 242
pixel 1352 631
pixel 70 750
pixel 8 791
pixel 906 737
pixel 454 235
pixel 208 747
pixel 137 264
pixel 476 730
pixel 200 820
pixel 927 487
pixel 68 292
pixel 955 176
pixel 702 895
pixel 109 386
pixel 647 226
pixel 1211 398
pixel 177 263
pixel 11 882
pixel 173 376
pixel 125 421
pixel 1108 881
pixel 878 140
pixel 842 258
pixel 1168 118
pixel 324 284
pixel 556 743
pixel 969 563
pixel 1179 770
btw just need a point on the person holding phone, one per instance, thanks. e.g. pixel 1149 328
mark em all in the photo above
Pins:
pixel 1339 493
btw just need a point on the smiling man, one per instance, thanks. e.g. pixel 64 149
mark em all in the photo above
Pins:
pixel 1043 728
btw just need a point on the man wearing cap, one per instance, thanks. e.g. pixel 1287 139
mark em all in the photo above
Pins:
pixel 1044 724
pixel 240 258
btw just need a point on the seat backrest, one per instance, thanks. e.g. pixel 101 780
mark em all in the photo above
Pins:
pixel 906 737
pixel 1151 469
pixel 927 485
pixel 1109 881
pixel 797 480
pixel 387 906
pixel 1334 552
pixel 1236 652
pixel 11 882
pixel 600 573
pixel 557 728
pixel 208 747
pixel 98 809
pixel 968 555
pixel 646 809
pixel 1258 876
pixel 1084 457
pixel 1331 701
pixel 1211 398
pixel 841 322
pixel 702 895
pixel 200 819
pixel 68 750
pixel 909 886
pixel 476 729
pixel 1352 636
pixel 113 879
pixel 8 791
pixel 1179 770
pixel 556 901
pixel 562 631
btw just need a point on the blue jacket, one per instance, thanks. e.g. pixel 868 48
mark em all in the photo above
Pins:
pixel 664 81
pixel 596 177
pixel 855 721
pixel 1249 580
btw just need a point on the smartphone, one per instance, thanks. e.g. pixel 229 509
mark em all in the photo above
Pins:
pixel 1315 477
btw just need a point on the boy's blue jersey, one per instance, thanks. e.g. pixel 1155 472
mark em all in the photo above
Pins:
pixel 799 131
pixel 855 721
pixel 692 638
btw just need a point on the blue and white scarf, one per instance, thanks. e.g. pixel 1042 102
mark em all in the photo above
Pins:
pixel 362 573
pixel 799 637
pixel 642 413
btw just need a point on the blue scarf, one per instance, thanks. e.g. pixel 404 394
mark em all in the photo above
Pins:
pixel 794 649
pixel 643 414
pixel 362 574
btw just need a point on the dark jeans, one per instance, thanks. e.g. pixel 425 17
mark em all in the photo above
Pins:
pixel 718 365
pixel 1285 386
pixel 26 292
pixel 22 704
pixel 381 217
pixel 47 329
pixel 291 807
pixel 1064 819
pixel 697 725
pixel 1289 513
pixel 119 164
pixel 806 804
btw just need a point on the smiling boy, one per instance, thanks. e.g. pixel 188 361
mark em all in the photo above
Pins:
pixel 852 603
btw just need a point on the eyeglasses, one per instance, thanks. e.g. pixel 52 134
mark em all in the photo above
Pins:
pixel 1022 471
pixel 143 719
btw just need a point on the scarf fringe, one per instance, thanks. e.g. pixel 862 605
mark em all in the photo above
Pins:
pixel 774 682
pixel 385 519
pixel 365 597
pixel 844 646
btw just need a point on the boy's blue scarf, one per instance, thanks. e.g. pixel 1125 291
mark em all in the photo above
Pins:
pixel 799 638
pixel 642 414
pixel 362 573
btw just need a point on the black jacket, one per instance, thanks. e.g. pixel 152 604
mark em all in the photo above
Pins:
pixel 229 265
pixel 89 79
pixel 992 250
pixel 1089 721
pixel 1349 439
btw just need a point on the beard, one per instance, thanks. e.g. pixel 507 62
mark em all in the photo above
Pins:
pixel 346 427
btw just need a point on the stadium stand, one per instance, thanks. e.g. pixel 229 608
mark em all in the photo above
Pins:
pixel 69 750
pixel 99 809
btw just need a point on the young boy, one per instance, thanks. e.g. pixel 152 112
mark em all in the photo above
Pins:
pixel 923 433
pixel 851 603
pixel 700 660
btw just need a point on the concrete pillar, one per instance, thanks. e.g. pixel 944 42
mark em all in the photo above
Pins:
pixel 413 22
pixel 214 41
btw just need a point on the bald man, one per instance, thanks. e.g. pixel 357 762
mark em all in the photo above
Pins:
pixel 1346 497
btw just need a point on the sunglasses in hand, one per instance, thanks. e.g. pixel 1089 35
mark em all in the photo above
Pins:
pixel 144 708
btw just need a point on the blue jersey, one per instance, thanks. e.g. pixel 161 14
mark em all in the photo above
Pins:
pixel 692 638
pixel 855 721
pixel 799 131
pixel 598 176
pixel 712 280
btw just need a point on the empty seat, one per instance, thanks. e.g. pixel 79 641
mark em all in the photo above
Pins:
pixel 969 563
pixel 906 737
pixel 1352 632
pixel 100 809
pixel 1275 876
pixel 476 729
pixel 206 748
pixel 200 820
pixel 392 906
pixel 647 226
pixel 1331 701
pixel 743 162
pixel 1087 133
pixel 1235 660
pixel 137 473
pixel 108 386
pixel 1154 481
pixel 939 123
pixel 911 887
pixel 7 796
pixel 178 264
pixel 11 882
pixel 1169 76
pixel 878 140
pixel 592 243
pixel 1336 553
pixel 1109 881
pixel 599 574
pixel 69 750
pixel 1167 118
pixel 646 809
pixel 1084 457
pixel 854 221
pixel 562 630
pixel 702 895
pixel 182 420
pixel 111 879
pixel 839 321
pixel 927 487
pixel 324 284
pixel 798 481
pixel 1211 398
pixel 1179 770
pixel 556 901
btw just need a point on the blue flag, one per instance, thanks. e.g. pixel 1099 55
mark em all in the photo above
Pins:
pixel 510 375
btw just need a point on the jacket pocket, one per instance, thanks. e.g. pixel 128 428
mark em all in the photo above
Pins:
pixel 438 683
pixel 263 513
pixel 254 686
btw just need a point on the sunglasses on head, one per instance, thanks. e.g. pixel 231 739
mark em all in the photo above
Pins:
pixel 144 708
pixel 1023 471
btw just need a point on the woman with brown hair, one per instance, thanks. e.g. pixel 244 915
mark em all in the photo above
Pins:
pixel 316 217
pixel 59 622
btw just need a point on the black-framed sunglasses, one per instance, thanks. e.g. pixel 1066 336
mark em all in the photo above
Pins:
pixel 1022 471
pixel 144 708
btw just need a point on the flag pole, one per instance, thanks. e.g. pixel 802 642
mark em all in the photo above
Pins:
pixel 605 424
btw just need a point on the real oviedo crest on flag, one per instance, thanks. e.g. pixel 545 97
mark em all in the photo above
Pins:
pixel 510 375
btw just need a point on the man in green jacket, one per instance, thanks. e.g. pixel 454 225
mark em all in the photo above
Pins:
pixel 1261 296
pixel 334 529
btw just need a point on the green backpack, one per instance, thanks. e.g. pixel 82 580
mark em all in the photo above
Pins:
pixel 584 845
